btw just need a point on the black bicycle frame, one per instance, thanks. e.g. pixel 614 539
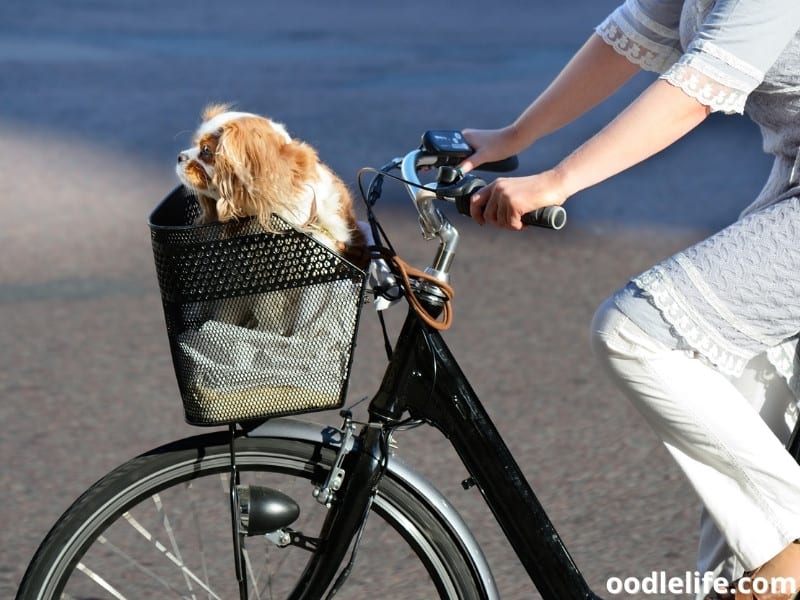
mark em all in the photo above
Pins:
pixel 441 395
pixel 435 390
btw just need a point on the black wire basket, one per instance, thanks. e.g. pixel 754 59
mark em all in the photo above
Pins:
pixel 260 323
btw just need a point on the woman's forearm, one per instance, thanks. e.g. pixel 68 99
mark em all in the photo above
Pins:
pixel 593 74
pixel 661 115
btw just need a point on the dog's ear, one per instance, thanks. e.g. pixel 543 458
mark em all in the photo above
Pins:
pixel 251 176
pixel 232 174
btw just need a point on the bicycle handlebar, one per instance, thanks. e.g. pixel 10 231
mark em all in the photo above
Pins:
pixel 500 166
pixel 455 187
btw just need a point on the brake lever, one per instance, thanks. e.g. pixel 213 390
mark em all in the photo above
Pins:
pixel 459 190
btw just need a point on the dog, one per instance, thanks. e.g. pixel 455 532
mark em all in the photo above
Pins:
pixel 243 165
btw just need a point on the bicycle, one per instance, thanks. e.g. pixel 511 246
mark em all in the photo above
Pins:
pixel 211 516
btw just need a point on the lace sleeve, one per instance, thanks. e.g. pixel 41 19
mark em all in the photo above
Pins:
pixel 720 82
pixel 645 32
pixel 732 50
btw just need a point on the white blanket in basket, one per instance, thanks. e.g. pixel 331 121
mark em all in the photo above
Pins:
pixel 308 350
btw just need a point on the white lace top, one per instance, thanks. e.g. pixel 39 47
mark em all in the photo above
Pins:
pixel 736 294
pixel 717 52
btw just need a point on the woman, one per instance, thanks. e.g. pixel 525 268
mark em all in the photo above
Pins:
pixel 680 338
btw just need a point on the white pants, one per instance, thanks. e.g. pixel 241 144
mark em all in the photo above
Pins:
pixel 748 483
pixel 767 393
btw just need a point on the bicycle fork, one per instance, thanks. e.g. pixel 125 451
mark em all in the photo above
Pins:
pixel 348 492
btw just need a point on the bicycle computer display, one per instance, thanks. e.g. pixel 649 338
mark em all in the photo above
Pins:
pixel 446 143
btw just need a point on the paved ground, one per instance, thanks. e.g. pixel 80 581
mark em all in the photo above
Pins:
pixel 97 98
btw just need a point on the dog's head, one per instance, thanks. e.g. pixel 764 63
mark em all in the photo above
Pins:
pixel 243 164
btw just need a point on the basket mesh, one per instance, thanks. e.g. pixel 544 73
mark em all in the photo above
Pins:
pixel 259 323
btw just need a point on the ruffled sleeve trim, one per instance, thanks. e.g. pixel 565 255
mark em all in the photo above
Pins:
pixel 714 77
pixel 705 89
pixel 629 41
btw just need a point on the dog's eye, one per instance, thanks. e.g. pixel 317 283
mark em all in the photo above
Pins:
pixel 205 153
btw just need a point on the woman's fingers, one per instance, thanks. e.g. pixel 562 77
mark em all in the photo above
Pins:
pixel 477 203
pixel 504 201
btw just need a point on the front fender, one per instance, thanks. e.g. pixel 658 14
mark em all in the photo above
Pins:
pixel 295 429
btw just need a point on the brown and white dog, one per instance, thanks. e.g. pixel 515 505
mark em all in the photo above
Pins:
pixel 243 165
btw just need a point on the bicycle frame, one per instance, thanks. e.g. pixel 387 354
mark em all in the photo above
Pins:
pixel 452 406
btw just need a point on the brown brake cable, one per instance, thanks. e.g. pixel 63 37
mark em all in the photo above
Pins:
pixel 406 271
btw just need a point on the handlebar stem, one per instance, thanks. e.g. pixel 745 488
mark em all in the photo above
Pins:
pixel 431 220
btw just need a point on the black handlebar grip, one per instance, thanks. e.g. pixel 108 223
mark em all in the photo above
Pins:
pixel 551 217
pixel 500 166
pixel 462 204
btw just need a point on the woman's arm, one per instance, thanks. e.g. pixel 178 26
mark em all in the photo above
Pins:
pixel 593 74
pixel 661 115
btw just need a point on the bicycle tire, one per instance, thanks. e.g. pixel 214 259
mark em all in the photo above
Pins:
pixel 92 550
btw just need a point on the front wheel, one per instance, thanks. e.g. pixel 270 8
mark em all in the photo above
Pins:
pixel 159 527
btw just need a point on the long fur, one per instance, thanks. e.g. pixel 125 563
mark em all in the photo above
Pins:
pixel 245 165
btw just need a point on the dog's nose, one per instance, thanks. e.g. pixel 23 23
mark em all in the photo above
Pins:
pixel 183 157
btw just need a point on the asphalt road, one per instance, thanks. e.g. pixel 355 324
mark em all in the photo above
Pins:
pixel 97 98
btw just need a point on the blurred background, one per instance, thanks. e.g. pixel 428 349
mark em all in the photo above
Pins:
pixel 96 99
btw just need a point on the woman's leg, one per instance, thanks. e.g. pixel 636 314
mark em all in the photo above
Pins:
pixel 741 471
pixel 768 393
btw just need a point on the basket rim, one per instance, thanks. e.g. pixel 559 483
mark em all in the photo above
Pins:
pixel 184 192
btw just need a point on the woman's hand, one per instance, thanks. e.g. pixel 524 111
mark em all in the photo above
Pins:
pixel 490 145
pixel 504 201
